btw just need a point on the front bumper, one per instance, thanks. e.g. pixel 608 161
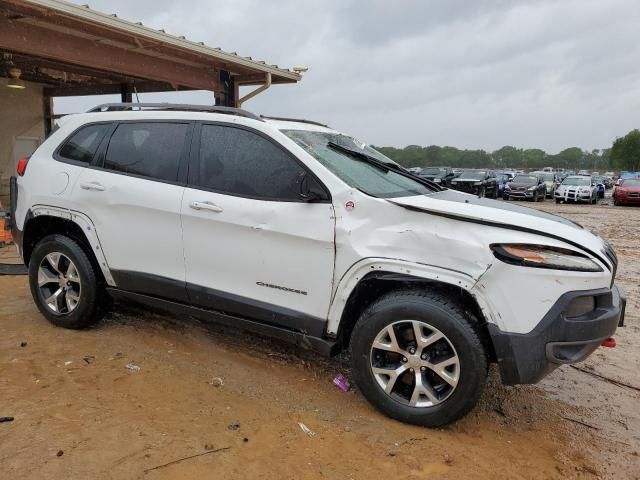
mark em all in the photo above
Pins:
pixel 467 187
pixel 558 339
pixel 627 199
pixel 519 193
pixel 573 196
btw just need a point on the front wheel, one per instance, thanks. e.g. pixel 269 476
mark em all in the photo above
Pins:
pixel 418 358
pixel 66 286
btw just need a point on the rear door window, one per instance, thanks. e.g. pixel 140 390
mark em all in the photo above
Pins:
pixel 83 144
pixel 147 149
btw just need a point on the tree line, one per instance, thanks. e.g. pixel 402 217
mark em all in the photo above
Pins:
pixel 623 155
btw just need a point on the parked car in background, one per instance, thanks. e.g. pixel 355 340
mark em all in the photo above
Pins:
pixel 627 192
pixel 414 170
pixel 576 188
pixel 479 182
pixel 293 229
pixel 525 187
pixel 503 179
pixel 441 175
pixel 550 180
pixel 599 181
pixel 608 181
pixel 584 172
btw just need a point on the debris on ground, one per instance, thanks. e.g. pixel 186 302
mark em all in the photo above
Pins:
pixel 6 419
pixel 187 458
pixel 307 430
pixel 216 382
pixel 234 426
pixel 89 359
pixel 60 453
pixel 447 459
pixel 68 362
pixel 132 366
pixel 341 382
pixel 23 344
pixel 208 446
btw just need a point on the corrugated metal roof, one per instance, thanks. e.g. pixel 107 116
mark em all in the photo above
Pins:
pixel 139 30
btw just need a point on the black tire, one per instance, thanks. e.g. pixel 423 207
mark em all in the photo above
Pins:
pixel 495 192
pixel 441 313
pixel 93 299
pixel 505 197
pixel 557 200
pixel 482 192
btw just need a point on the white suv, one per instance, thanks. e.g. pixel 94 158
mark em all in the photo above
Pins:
pixel 294 230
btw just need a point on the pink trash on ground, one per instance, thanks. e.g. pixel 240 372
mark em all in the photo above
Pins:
pixel 341 382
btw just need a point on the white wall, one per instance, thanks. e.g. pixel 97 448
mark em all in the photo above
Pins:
pixel 21 115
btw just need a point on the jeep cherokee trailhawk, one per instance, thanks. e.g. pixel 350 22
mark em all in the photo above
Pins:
pixel 291 229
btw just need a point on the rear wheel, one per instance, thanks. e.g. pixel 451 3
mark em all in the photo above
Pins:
pixel 418 359
pixel 66 286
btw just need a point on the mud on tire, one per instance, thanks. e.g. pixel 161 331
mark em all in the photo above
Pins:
pixel 59 265
pixel 419 395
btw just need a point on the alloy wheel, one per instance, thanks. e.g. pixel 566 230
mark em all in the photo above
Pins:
pixel 415 363
pixel 59 283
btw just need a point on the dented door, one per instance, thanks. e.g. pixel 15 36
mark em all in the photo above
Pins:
pixel 252 247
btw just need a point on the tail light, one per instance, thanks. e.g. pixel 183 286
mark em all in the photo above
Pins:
pixel 22 166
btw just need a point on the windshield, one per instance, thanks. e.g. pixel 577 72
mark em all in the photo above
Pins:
pixel 525 179
pixel 631 183
pixel 356 173
pixel 473 174
pixel 434 171
pixel 580 182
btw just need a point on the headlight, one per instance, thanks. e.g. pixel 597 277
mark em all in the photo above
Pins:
pixel 539 256
pixel 436 180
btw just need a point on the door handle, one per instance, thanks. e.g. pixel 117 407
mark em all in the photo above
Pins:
pixel 206 206
pixel 95 186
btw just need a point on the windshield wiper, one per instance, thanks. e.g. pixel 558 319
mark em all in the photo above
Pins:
pixel 384 166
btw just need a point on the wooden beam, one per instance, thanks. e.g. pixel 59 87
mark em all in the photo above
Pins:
pixel 105 89
pixel 37 41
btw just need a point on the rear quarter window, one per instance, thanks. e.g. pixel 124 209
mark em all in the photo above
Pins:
pixel 82 145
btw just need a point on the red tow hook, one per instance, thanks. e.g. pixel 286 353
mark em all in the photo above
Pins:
pixel 609 342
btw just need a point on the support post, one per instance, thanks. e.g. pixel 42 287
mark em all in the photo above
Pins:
pixel 47 111
pixel 125 93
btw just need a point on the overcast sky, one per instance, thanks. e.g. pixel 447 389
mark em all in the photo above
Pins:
pixel 471 74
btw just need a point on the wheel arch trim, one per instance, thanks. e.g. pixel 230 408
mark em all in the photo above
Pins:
pixel 357 273
pixel 86 226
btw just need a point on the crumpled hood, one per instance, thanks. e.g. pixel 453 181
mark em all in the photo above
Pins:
pixel 465 207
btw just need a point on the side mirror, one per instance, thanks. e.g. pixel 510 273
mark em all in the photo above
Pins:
pixel 310 191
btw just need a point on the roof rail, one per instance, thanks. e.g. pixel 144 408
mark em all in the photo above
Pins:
pixel 119 107
pixel 295 120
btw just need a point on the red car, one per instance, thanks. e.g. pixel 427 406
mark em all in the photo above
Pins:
pixel 627 192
